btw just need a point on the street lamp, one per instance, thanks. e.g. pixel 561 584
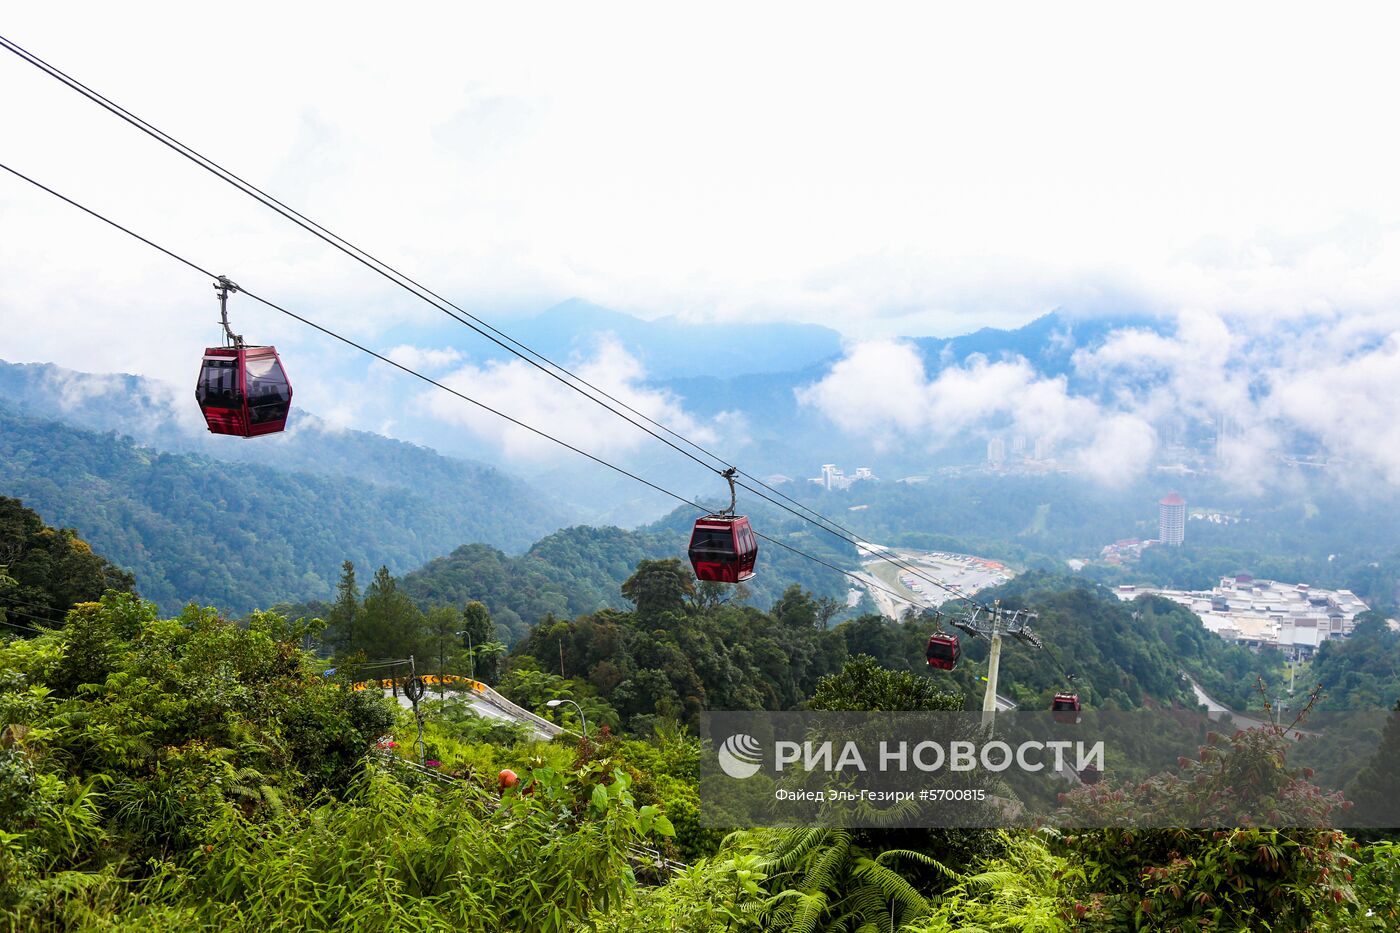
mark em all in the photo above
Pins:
pixel 471 656
pixel 553 703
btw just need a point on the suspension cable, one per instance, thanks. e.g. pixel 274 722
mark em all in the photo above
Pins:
pixel 428 379
pixel 496 336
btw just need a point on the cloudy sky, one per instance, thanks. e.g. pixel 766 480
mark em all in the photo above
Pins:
pixel 913 169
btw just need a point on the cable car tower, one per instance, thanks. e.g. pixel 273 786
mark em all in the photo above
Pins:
pixel 991 623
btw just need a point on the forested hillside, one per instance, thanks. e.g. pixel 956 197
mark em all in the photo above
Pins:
pixel 1121 654
pixel 678 649
pixel 46 571
pixel 1360 672
pixel 580 570
pixel 492 506
pixel 241 535
pixel 200 774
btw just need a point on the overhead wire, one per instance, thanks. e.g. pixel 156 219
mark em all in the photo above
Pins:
pixel 428 379
pixel 10 600
pixel 22 628
pixel 485 329
pixel 29 615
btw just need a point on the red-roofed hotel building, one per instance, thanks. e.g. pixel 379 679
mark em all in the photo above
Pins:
pixel 1171 520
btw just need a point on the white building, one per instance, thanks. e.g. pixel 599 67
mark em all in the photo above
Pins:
pixel 833 477
pixel 1171 520
pixel 996 451
pixel 1293 617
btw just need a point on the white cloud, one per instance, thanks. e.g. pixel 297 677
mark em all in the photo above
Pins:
pixel 524 392
pixel 1120 449
pixel 424 358
pixel 1101 158
pixel 1314 387
pixel 881 391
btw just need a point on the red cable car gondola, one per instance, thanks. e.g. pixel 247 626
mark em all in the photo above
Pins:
pixel 723 547
pixel 242 390
pixel 943 651
pixel 1065 708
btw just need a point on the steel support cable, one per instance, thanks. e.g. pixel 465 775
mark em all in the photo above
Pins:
pixel 849 538
pixel 29 615
pixel 10 600
pixel 500 338
pixel 345 246
pixel 428 379
pixel 23 628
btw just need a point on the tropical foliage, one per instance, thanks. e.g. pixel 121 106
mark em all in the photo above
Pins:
pixel 46 571
pixel 201 773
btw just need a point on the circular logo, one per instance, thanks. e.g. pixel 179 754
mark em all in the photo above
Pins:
pixel 740 756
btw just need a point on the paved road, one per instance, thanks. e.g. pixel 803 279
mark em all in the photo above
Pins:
pixel 489 704
pixel 1218 711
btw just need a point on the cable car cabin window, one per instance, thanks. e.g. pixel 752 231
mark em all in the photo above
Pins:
pixel 269 396
pixel 218 384
pixel 716 541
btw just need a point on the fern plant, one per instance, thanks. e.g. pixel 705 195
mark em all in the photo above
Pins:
pixel 828 883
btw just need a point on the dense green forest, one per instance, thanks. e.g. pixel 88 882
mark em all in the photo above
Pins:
pixel 1360 672
pixel 199 774
pixel 236 535
pixel 580 570
pixel 46 571
pixel 680 650
pixel 159 416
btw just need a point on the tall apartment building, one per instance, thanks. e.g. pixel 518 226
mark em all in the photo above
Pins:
pixel 1171 520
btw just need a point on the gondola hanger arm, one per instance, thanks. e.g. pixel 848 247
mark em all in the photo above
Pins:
pixel 225 286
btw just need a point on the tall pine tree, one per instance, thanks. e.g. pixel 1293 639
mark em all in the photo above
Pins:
pixel 340 623
pixel 389 624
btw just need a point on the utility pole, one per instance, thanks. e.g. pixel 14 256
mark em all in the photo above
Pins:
pixel 413 689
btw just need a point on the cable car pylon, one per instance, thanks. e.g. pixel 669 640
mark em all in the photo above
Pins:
pixel 992 623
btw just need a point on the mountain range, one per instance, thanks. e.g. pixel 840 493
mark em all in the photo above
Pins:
pixel 217 520
pixel 269 518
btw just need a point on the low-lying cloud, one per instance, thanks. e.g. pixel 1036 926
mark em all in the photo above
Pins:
pixel 1316 388
pixel 882 392
pixel 522 391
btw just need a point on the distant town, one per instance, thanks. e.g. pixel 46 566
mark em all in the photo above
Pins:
pixel 1293 617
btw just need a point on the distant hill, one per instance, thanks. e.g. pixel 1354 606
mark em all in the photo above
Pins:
pixel 239 535
pixel 580 570
pixel 158 415
pixel 784 435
